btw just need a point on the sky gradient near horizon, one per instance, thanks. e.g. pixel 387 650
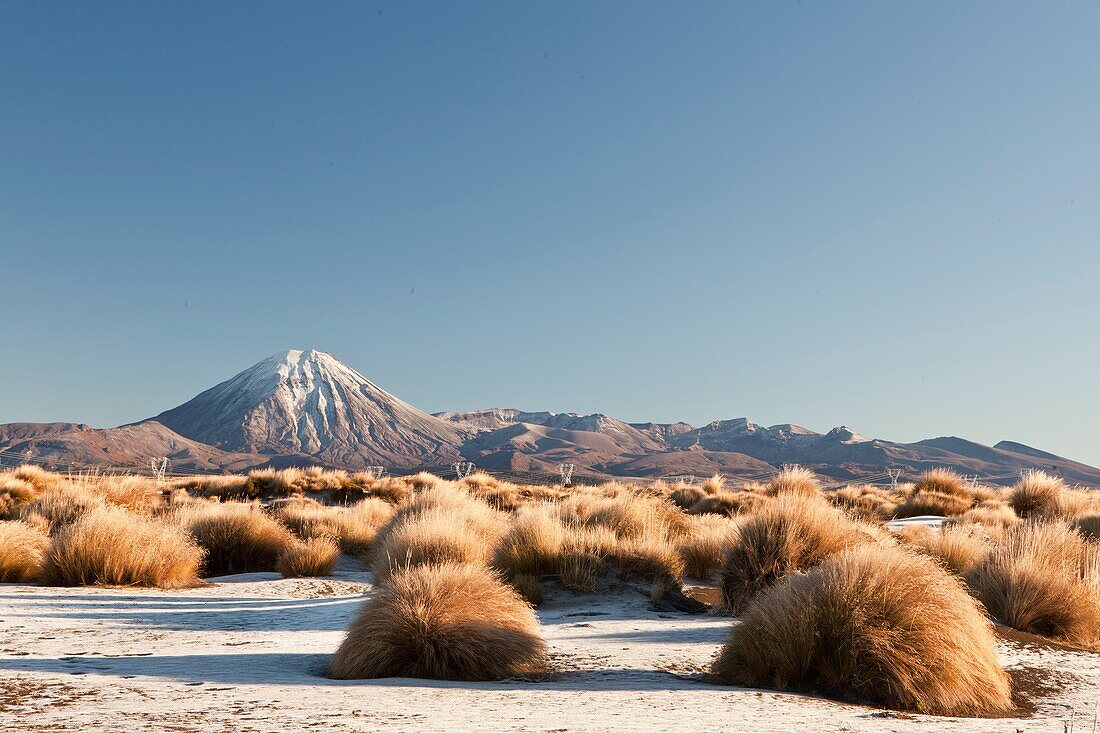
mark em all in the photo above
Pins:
pixel 882 215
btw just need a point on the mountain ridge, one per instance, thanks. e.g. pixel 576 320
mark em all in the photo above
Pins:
pixel 305 407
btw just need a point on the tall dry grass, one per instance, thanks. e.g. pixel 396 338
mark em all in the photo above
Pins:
pixel 312 558
pixel 705 545
pixel 354 527
pixel 237 537
pixel 22 550
pixel 15 493
pixel 869 503
pixel 792 532
pixel 434 537
pixel 992 514
pixel 1088 525
pixel 729 503
pixel 439 525
pixel 1038 495
pixel 939 492
pixel 957 547
pixel 872 623
pixel 795 480
pixel 448 621
pixel 111 545
pixel 1043 578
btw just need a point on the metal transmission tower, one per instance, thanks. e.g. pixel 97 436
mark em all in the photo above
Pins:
pixel 566 471
pixel 894 474
pixel 159 466
pixel 464 469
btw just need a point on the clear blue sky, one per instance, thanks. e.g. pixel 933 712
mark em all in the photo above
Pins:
pixel 882 214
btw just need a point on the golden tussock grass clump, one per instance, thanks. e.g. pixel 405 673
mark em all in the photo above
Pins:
pixel 478 481
pixel 497 494
pixel 685 496
pixel 648 558
pixel 451 621
pixel 290 481
pixel 865 502
pixel 633 515
pixel 36 476
pixel 37 521
pixel 444 528
pixel 581 571
pixel 944 481
pixel 438 495
pixel 313 558
pixel 220 487
pixel 792 532
pixel 448 497
pixel 354 527
pixel 875 623
pixel 22 550
pixel 391 489
pixel 424 480
pixel 533 545
pixel 577 507
pixel 529 588
pixel 957 547
pixel 705 545
pixel 110 545
pixel 728 503
pixel 62 504
pixel 795 480
pixel 1039 495
pixel 992 514
pixel 237 537
pixel 1043 578
pixel 15 493
pixel 714 484
pixel 927 499
pixel 137 493
pixel 1088 525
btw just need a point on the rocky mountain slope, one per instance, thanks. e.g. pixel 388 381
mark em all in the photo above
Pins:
pixel 307 403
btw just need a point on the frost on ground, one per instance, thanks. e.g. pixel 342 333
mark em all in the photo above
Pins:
pixel 246 654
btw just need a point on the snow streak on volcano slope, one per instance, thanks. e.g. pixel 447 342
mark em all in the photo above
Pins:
pixel 310 404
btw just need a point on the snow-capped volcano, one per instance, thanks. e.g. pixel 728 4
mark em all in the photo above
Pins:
pixel 309 403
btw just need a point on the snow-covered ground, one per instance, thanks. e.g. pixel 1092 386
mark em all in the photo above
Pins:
pixel 246 654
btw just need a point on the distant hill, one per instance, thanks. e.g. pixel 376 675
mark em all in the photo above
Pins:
pixel 305 407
